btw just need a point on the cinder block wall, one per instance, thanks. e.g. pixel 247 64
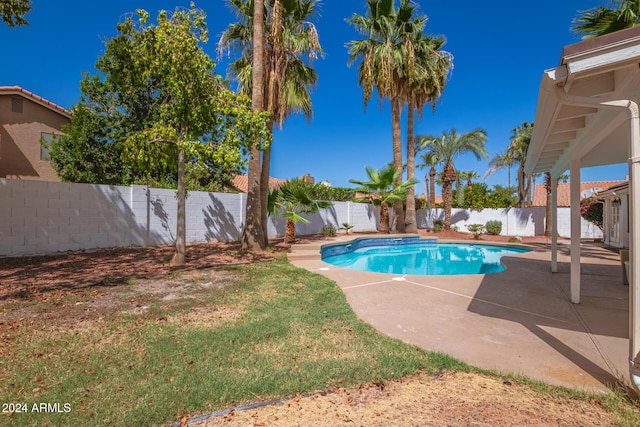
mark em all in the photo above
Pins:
pixel 48 217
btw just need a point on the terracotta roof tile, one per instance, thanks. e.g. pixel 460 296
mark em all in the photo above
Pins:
pixel 540 192
pixel 17 90
pixel 241 183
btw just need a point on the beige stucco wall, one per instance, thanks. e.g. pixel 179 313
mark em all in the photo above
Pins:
pixel 20 139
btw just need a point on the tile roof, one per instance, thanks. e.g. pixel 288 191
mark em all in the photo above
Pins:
pixel 17 90
pixel 540 192
pixel 241 183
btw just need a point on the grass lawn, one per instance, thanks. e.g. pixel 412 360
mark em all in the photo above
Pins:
pixel 191 344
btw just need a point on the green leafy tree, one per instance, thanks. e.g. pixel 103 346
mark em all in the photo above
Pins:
pixel 291 200
pixel 87 153
pixel 603 20
pixel 163 105
pixel 291 44
pixel 382 190
pixel 12 12
pixel 447 148
pixel 387 60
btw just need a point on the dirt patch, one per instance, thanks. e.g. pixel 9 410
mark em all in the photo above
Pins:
pixel 451 399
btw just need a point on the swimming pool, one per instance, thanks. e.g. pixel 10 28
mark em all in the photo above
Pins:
pixel 413 255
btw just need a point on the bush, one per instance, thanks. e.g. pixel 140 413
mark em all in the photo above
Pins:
pixel 591 210
pixel 476 229
pixel 494 227
pixel 515 239
pixel 329 231
pixel 438 225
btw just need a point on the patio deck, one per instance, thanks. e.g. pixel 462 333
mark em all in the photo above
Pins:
pixel 519 321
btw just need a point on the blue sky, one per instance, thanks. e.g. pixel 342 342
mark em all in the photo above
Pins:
pixel 500 50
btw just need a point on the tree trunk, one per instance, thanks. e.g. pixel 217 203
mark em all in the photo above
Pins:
pixel 290 232
pixel 398 206
pixel 410 220
pixel 521 186
pixel 384 218
pixel 432 187
pixel 264 188
pixel 253 234
pixel 449 176
pixel 179 256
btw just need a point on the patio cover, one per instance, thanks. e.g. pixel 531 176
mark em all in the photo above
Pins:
pixel 587 115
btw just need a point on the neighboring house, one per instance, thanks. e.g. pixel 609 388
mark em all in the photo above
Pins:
pixel 615 221
pixel 241 183
pixel 587 189
pixel 25 118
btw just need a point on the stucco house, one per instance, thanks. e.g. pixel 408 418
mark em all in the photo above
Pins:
pixel 25 118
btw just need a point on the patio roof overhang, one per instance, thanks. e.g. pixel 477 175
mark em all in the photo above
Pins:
pixel 601 69
pixel 588 115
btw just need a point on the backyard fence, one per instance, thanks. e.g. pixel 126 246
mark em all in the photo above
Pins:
pixel 38 217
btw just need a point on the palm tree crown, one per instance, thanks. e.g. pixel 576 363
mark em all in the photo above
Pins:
pixel 381 189
pixel 601 20
pixel 447 148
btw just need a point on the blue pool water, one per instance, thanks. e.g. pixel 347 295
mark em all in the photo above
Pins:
pixel 412 255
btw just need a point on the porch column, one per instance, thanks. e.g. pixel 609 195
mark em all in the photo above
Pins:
pixel 634 250
pixel 554 225
pixel 576 232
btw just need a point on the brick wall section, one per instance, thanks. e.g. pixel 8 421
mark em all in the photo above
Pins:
pixel 39 217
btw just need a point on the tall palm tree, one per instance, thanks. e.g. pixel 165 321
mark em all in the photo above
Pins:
pixel 387 55
pixel 518 147
pixel 291 200
pixel 463 182
pixel 432 68
pixel 602 20
pixel 254 234
pixel 448 147
pixel 292 44
pixel 382 190
pixel 431 160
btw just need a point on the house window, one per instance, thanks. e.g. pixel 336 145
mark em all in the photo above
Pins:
pixel 16 105
pixel 45 145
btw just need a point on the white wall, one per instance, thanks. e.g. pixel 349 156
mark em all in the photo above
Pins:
pixel 46 217
pixel 515 221
pixel 39 217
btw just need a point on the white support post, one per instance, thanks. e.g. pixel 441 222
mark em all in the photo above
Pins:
pixel 554 225
pixel 576 232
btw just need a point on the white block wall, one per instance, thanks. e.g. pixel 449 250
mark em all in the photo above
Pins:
pixel 515 221
pixel 39 217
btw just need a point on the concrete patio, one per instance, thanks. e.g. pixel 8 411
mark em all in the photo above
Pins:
pixel 519 321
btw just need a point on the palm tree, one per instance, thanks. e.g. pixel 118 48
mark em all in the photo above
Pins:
pixel 520 140
pixel 382 190
pixel 291 39
pixel 461 185
pixel 447 147
pixel 432 67
pixel 254 234
pixel 430 159
pixel 291 200
pixel 601 20
pixel 500 161
pixel 388 58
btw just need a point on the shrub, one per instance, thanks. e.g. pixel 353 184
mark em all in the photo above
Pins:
pixel 476 229
pixel 346 227
pixel 514 239
pixel 494 227
pixel 438 225
pixel 329 230
pixel 591 210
